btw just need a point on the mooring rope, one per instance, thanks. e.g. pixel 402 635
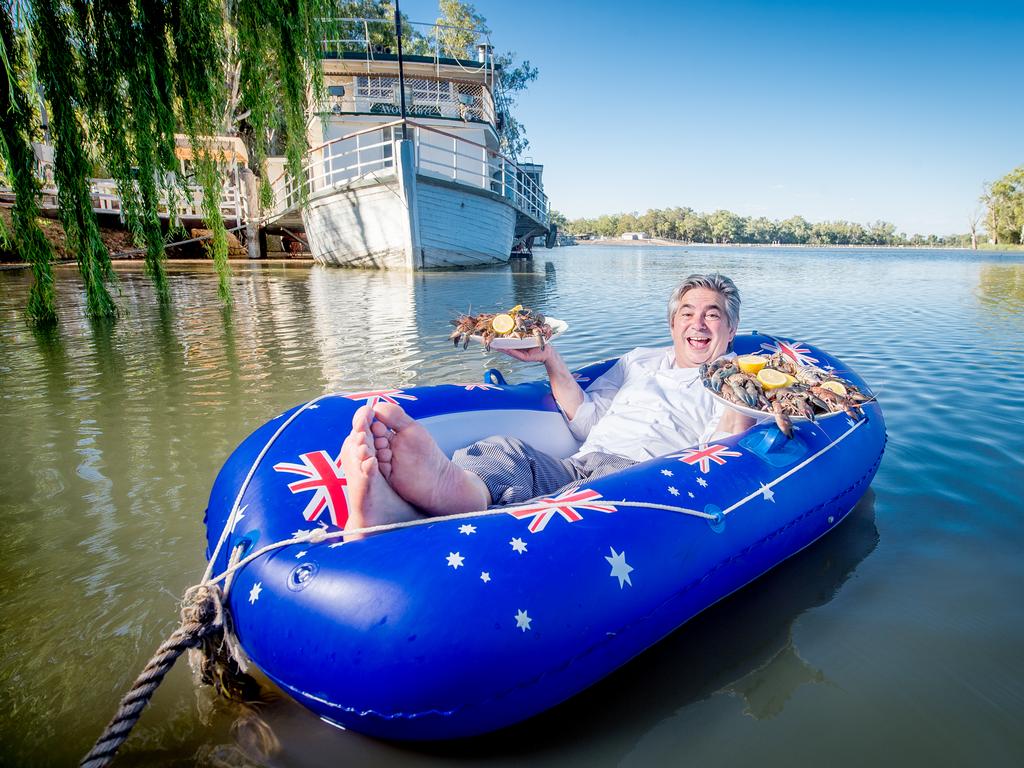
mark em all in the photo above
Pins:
pixel 203 615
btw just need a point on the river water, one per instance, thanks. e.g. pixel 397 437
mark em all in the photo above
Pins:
pixel 896 640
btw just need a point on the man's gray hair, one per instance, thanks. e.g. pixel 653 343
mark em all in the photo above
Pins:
pixel 713 282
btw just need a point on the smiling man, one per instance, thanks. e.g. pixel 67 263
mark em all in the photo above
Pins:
pixel 650 403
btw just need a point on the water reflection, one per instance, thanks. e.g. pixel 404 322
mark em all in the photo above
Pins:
pixel 1001 287
pixel 742 647
pixel 112 437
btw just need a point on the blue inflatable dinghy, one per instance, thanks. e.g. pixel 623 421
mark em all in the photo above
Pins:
pixel 463 625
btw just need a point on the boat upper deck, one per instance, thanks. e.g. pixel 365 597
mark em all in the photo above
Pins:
pixel 361 73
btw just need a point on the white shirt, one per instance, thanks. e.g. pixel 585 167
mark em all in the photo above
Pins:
pixel 643 407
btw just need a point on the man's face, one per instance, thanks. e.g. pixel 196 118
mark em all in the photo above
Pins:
pixel 700 328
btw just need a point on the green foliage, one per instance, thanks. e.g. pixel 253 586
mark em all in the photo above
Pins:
pixel 121 78
pixel 459 29
pixel 721 226
pixel 59 74
pixel 1004 201
pixel 512 78
pixel 209 175
pixel 17 161
pixel 125 81
pixel 279 55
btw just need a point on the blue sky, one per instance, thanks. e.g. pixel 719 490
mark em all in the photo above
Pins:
pixel 857 110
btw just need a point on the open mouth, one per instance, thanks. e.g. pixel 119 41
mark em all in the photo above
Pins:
pixel 699 343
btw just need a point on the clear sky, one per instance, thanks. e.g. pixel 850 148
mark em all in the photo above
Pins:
pixel 856 110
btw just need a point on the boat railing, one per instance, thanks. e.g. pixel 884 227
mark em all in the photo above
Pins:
pixel 187 200
pixel 373 39
pixel 363 155
pixel 425 97
pixel 337 162
pixel 445 155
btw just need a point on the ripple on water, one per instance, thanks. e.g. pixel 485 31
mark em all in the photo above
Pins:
pixel 113 434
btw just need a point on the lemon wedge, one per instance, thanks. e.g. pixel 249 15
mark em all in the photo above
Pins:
pixel 834 386
pixel 502 324
pixel 751 364
pixel 772 379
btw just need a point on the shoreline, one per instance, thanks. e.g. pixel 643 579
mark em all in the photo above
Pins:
pixel 663 243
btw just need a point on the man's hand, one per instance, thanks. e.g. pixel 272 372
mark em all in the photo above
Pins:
pixel 563 386
pixel 531 355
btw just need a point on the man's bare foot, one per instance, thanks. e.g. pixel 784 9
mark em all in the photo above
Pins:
pixel 418 469
pixel 371 501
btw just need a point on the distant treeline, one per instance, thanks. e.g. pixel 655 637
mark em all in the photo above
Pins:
pixel 691 226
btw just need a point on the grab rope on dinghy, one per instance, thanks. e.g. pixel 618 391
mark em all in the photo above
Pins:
pixel 205 624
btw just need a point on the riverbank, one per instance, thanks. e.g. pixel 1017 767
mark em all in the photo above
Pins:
pixel 187 246
pixel 660 242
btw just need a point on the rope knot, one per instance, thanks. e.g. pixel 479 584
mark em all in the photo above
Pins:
pixel 316 535
pixel 202 610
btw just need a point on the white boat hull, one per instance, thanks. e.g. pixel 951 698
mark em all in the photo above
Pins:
pixel 368 224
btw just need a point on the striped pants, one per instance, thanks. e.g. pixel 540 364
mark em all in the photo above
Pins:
pixel 514 472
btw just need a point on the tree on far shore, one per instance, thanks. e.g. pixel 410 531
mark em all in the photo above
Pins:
pixel 723 226
pixel 1004 201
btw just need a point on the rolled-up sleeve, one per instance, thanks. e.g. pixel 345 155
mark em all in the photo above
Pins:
pixel 597 399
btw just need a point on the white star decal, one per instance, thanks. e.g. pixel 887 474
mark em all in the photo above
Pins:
pixel 851 421
pixel 690 494
pixel 254 593
pixel 518 545
pixel 620 568
pixel 455 559
pixel 667 472
pixel 673 490
pixel 238 517
pixel 312 407
pixel 485 576
pixel 300 555
pixel 523 620
pixel 702 482
pixel 467 529
pixel 768 493
pixel 301 534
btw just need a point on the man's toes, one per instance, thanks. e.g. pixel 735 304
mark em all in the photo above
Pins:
pixel 393 416
pixel 362 451
pixel 369 466
pixel 380 443
pixel 379 429
pixel 361 418
pixel 384 455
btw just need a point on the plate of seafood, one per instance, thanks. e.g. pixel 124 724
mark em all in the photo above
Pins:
pixel 765 386
pixel 518 328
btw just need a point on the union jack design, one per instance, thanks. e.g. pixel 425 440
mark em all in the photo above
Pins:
pixel 703 455
pixel 478 385
pixel 565 505
pixel 797 351
pixel 387 395
pixel 322 476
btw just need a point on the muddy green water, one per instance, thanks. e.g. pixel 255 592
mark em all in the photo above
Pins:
pixel 896 640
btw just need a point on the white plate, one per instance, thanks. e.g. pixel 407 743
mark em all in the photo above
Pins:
pixel 760 415
pixel 558 327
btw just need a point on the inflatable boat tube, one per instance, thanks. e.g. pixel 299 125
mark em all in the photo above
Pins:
pixel 464 625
